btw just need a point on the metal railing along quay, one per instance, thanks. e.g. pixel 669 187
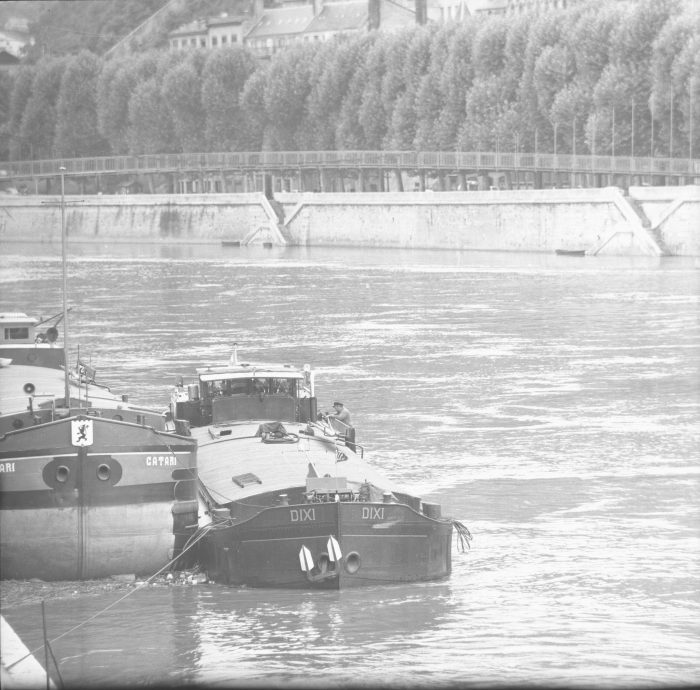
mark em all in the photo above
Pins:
pixel 282 161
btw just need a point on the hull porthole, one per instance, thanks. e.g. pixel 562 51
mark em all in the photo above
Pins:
pixel 62 473
pixel 352 562
pixel 103 472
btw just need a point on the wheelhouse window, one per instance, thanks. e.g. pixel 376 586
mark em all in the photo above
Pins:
pixel 19 333
pixel 253 386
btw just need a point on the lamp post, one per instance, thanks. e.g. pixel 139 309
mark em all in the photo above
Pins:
pixel 670 128
pixel 595 125
pixel 690 120
pixel 632 143
pixel 612 144
pixel 651 148
pixel 65 287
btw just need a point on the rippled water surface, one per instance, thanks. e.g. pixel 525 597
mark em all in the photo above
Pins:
pixel 550 403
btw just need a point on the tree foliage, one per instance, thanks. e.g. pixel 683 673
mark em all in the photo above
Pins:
pixel 77 133
pixel 223 79
pixel 39 117
pixel 598 77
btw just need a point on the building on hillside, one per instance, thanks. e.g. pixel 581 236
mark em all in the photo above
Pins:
pixel 338 18
pixel 269 29
pixel 458 10
pixel 476 7
pixel 14 41
pixel 216 32
pixel 17 23
pixel 278 27
pixel 448 11
pixel 521 6
pixel 190 36
pixel 227 30
pixel 8 61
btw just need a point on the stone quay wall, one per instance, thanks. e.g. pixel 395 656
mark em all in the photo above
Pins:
pixel 169 218
pixel 645 221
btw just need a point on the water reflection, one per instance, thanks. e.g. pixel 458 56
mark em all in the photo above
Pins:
pixel 242 631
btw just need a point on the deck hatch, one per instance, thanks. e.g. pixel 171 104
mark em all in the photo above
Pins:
pixel 243 480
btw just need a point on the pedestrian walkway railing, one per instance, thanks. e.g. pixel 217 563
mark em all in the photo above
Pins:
pixel 283 161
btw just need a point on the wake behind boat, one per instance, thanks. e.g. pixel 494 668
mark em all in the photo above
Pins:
pixel 291 500
pixel 91 485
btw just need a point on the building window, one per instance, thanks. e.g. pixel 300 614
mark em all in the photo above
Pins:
pixel 203 42
pixel 214 41
pixel 234 38
pixel 224 39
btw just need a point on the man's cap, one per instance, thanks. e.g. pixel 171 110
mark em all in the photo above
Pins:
pixel 337 403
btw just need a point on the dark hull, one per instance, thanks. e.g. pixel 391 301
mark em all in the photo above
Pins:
pixel 381 543
pixel 125 503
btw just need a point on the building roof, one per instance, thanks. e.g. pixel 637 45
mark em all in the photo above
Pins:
pixel 13 35
pixel 228 19
pixel 7 58
pixel 282 21
pixel 476 6
pixel 340 16
pixel 197 27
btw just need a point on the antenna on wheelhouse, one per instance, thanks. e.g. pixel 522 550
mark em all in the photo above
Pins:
pixel 66 380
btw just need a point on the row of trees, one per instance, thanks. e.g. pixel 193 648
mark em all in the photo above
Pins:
pixel 606 78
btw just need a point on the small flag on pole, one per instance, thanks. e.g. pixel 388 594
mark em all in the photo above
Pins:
pixel 86 372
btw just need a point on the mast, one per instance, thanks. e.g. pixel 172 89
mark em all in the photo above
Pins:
pixel 66 380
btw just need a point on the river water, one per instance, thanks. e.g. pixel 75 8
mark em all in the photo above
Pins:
pixel 550 403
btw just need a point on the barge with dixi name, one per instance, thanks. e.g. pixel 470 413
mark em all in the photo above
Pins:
pixel 290 500
pixel 90 484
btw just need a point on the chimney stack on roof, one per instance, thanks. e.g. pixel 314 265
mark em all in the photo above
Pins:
pixel 374 18
pixel 421 12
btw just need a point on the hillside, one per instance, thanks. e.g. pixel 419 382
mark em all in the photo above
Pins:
pixel 65 27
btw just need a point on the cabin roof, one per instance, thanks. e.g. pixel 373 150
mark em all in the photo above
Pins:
pixel 16 317
pixel 248 371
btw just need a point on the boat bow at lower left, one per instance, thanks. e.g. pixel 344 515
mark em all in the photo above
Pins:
pixel 87 497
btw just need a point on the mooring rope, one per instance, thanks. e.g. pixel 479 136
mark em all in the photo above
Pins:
pixel 199 534
pixel 464 536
